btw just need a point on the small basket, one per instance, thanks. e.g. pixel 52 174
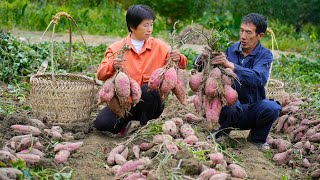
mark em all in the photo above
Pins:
pixel 275 89
pixel 62 98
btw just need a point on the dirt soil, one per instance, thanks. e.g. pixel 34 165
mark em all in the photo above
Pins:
pixel 89 161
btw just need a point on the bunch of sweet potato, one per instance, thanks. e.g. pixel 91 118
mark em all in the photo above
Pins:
pixel 120 92
pixel 213 90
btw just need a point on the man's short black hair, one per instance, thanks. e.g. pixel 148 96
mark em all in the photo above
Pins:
pixel 137 13
pixel 258 20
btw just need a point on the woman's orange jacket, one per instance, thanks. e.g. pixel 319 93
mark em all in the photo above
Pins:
pixel 138 66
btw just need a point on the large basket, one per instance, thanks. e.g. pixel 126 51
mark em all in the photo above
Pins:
pixel 62 98
pixel 275 89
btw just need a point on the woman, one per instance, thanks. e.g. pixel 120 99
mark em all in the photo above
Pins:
pixel 145 54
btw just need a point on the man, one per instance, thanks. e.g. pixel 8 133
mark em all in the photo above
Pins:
pixel 145 55
pixel 251 62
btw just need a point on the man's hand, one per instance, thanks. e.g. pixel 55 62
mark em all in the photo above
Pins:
pixel 117 63
pixel 222 60
pixel 175 55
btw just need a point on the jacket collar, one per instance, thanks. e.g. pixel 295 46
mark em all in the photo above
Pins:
pixel 238 49
pixel 146 45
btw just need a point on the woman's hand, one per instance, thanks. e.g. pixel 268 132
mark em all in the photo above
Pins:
pixel 117 63
pixel 175 55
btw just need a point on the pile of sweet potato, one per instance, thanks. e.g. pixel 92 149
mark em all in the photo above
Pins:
pixel 31 145
pixel 213 90
pixel 139 159
pixel 302 133
pixel 170 78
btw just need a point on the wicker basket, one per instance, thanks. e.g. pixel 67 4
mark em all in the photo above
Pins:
pixel 62 98
pixel 275 89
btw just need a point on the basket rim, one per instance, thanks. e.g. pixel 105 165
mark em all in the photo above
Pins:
pixel 279 83
pixel 66 74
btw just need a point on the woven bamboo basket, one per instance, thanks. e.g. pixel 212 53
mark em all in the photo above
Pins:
pixel 62 98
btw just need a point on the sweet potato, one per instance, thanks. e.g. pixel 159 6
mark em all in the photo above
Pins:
pixel 145 146
pixel 117 150
pixel 160 138
pixel 281 145
pixel 62 156
pixel 180 89
pixel 215 73
pixel 28 157
pixel 220 176
pixel 38 145
pixel 292 120
pixel 230 95
pixel 191 118
pixel 37 123
pixel 68 146
pixel 281 120
pixel 10 173
pixel 136 151
pixel 315 138
pixel 226 80
pixel 206 174
pixel 155 80
pixel 237 171
pixel 169 127
pixel 135 176
pixel 169 81
pixel 306 163
pixel 107 91
pixel 115 169
pixel 287 109
pixel 115 107
pixel 195 81
pixel 197 102
pixel 171 147
pixel 216 158
pixel 282 158
pixel 33 151
pixel 192 139
pixel 125 153
pixel 131 166
pixel 119 159
pixel 211 87
pixel 186 130
pixel 52 134
pixel 57 129
pixel 178 121
pixel 23 129
pixel 213 109
pixel 122 85
pixel 6 156
pixel 26 143
pixel 135 91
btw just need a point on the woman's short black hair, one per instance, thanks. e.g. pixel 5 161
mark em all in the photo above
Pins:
pixel 137 13
pixel 258 20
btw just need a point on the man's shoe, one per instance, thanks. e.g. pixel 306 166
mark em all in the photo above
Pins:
pixel 123 132
pixel 263 146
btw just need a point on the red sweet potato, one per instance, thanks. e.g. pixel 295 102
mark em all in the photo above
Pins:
pixel 215 73
pixel 28 157
pixel 136 151
pixel 180 89
pixel 282 158
pixel 37 123
pixel 192 139
pixel 178 121
pixel 107 91
pixel 315 138
pixel 186 130
pixel 135 176
pixel 111 157
pixel 131 166
pixel 216 158
pixel 6 156
pixel 25 143
pixel 68 146
pixel 125 153
pixel 122 88
pixel 169 127
pixel 230 95
pixel 145 146
pixel 220 176
pixel 280 122
pixel 10 173
pixel 191 118
pixel 226 80
pixel 22 129
pixel 206 174
pixel 195 81
pixel 160 138
pixel 135 91
pixel 155 79
pixel 119 159
pixel 197 102
pixel 211 87
pixel 33 151
pixel 57 129
pixel 306 163
pixel 171 147
pixel 62 156
pixel 52 134
pixel 281 145
pixel 115 107
pixel 213 109
pixel 237 171
pixel 169 81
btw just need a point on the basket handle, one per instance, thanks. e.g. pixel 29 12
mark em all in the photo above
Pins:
pixel 273 41
pixel 54 21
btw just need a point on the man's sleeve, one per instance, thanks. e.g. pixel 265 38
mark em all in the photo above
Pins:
pixel 257 76
pixel 106 69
